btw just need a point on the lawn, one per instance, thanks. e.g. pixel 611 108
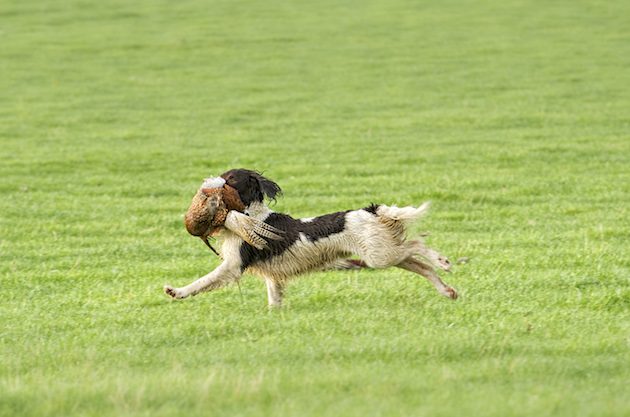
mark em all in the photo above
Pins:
pixel 512 117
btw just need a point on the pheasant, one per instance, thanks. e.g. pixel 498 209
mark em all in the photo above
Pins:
pixel 217 205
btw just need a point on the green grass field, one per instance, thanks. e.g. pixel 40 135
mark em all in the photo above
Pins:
pixel 512 117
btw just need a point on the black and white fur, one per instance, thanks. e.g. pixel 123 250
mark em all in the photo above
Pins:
pixel 376 234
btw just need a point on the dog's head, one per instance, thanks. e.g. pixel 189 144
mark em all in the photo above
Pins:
pixel 251 186
pixel 236 190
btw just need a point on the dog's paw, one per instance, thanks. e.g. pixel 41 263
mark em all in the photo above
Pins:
pixel 450 293
pixel 444 263
pixel 172 292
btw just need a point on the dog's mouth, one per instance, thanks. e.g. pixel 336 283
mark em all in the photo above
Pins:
pixel 209 208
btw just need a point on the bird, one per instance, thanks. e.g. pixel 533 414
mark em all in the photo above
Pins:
pixel 216 205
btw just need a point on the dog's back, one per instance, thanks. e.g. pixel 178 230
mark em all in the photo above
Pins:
pixel 375 233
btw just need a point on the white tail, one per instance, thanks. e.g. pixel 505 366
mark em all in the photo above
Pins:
pixel 404 214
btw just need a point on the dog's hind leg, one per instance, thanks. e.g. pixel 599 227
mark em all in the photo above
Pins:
pixel 275 290
pixel 414 265
pixel 434 257
pixel 345 264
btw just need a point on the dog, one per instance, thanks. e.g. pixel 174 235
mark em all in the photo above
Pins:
pixel 376 234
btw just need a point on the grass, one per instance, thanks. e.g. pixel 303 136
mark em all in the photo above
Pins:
pixel 512 117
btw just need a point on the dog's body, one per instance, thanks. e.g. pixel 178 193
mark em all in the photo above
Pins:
pixel 376 234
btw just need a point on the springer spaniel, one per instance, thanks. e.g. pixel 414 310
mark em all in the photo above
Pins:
pixel 376 234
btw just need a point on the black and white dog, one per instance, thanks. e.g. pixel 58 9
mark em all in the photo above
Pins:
pixel 376 234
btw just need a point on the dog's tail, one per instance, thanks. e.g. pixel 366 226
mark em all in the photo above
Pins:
pixel 402 214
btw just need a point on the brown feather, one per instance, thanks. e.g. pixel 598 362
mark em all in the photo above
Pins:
pixel 209 209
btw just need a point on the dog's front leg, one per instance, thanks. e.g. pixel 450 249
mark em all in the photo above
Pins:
pixel 275 290
pixel 223 274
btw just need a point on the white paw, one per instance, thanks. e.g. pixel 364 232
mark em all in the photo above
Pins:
pixel 449 292
pixel 172 292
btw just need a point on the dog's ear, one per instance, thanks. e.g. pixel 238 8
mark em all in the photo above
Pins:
pixel 251 185
pixel 268 187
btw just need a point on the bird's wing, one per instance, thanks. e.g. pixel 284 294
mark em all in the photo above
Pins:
pixel 253 231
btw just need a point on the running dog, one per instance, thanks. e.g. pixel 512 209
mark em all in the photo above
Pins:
pixel 288 247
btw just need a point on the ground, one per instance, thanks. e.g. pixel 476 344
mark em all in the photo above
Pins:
pixel 511 117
